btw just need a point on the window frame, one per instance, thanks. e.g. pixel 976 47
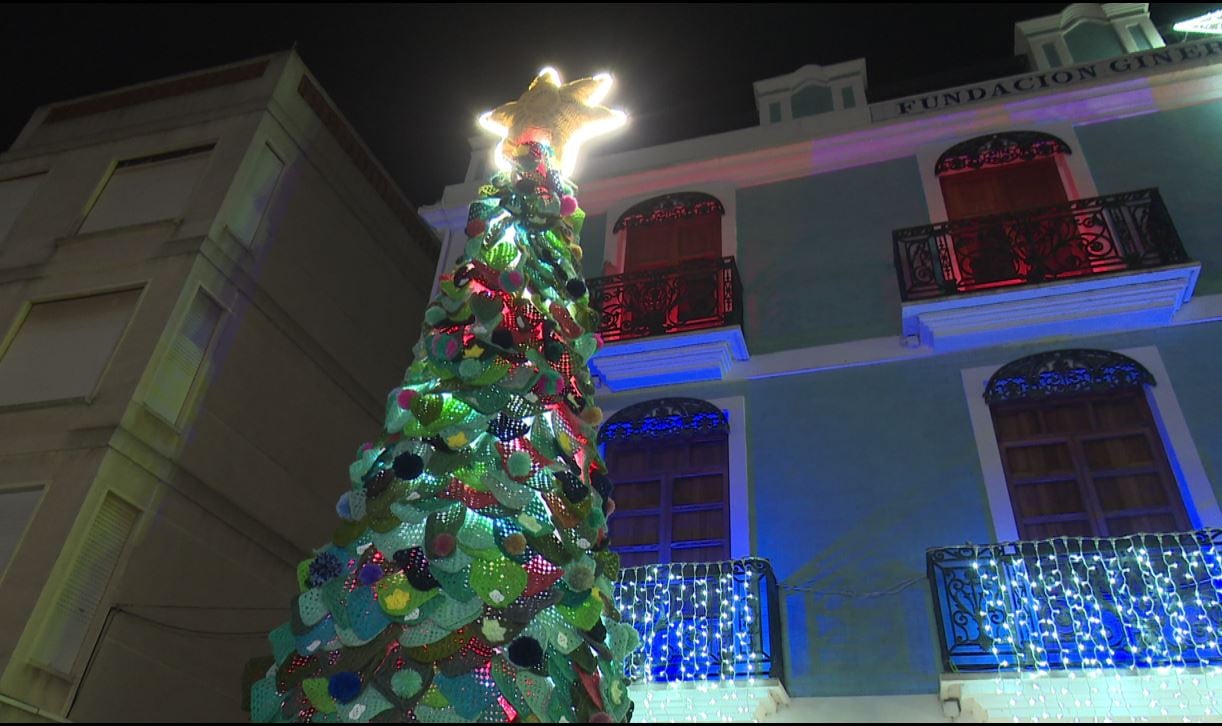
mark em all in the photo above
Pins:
pixel 615 243
pixel 1076 176
pixel 146 160
pixel 175 326
pixel 735 407
pixel 44 172
pixel 666 509
pixel 23 313
pixel 24 486
pixel 1084 479
pixel 1195 490
pixel 250 164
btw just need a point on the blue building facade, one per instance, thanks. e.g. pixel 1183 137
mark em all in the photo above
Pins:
pixel 912 403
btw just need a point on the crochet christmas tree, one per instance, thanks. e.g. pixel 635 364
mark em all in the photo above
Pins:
pixel 471 579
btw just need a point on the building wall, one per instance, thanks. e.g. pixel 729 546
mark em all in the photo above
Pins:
pixel 1180 153
pixel 815 255
pixel 320 312
pixel 856 472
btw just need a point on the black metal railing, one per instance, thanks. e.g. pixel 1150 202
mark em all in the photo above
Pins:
pixel 702 621
pixel 695 295
pixel 1138 601
pixel 1129 231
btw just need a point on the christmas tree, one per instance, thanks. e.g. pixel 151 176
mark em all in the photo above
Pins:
pixel 471 579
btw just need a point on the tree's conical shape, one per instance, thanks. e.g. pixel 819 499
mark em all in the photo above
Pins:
pixel 471 580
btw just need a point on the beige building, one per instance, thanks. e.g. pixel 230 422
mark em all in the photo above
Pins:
pixel 207 286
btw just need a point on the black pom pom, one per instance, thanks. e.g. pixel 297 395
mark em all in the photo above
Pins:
pixel 525 652
pixel 408 466
pixel 502 338
pixel 553 350
pixel 415 567
pixel 377 484
pixel 573 488
pixel 602 484
pixel 525 186
pixel 576 287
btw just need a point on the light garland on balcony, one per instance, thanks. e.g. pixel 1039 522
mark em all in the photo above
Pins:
pixel 701 637
pixel 1070 613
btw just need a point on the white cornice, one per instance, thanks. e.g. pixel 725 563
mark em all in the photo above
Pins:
pixel 779 152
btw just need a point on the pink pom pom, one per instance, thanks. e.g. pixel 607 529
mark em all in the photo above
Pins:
pixel 405 398
pixel 568 205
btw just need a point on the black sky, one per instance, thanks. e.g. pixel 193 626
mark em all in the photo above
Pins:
pixel 411 78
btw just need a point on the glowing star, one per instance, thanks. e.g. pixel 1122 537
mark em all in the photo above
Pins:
pixel 563 116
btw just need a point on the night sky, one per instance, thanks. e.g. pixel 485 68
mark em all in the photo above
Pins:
pixel 412 78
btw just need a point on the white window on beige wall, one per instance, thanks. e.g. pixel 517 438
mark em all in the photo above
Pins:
pixel 16 508
pixel 182 362
pixel 15 194
pixel 61 348
pixel 82 591
pixel 256 195
pixel 147 189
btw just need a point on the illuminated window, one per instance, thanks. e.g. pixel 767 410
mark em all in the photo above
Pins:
pixel 669 461
pixel 1081 451
pixel 1001 173
pixel 147 189
pixel 665 231
pixel 678 238
pixel 1008 174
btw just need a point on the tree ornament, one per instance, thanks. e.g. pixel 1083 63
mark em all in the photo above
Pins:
pixel 344 686
pixel 476 227
pixel 370 574
pixel 408 466
pixel 568 205
pixel 561 115
pixel 525 652
pixel 576 287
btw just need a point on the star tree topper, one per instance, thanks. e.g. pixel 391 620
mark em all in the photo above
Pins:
pixel 562 115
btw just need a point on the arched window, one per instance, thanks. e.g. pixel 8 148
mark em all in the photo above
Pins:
pixel 1005 174
pixel 667 230
pixel 1080 448
pixel 674 242
pixel 668 459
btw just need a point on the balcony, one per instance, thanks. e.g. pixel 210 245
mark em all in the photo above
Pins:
pixel 1103 264
pixel 710 640
pixel 1081 626
pixel 673 325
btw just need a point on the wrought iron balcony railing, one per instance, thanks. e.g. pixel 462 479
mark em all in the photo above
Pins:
pixel 1133 602
pixel 702 621
pixel 695 295
pixel 1129 231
